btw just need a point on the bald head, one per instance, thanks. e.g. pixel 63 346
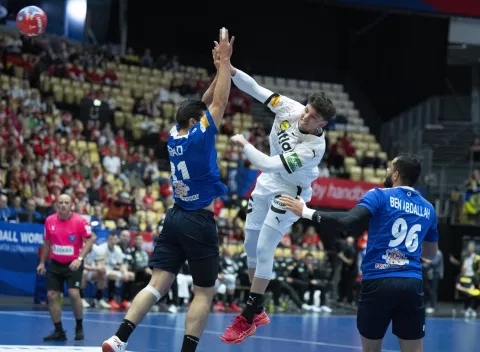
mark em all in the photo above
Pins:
pixel 64 205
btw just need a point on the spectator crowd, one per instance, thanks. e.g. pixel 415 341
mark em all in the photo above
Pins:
pixel 119 180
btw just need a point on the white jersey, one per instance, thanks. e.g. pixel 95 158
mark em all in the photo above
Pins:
pixel 300 153
pixel 111 258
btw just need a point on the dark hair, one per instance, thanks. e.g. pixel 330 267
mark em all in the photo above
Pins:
pixel 189 109
pixel 409 167
pixel 323 105
pixel 309 255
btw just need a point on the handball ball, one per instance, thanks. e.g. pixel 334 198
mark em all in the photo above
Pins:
pixel 31 21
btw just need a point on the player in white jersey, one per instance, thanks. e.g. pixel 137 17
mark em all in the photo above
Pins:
pixel 297 145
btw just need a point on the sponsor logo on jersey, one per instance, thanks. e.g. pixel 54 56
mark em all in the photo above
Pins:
pixel 72 237
pixel 284 141
pixel 293 162
pixel 204 123
pixel 284 125
pixel 181 189
pixel 62 250
pixel 275 101
pixel 394 259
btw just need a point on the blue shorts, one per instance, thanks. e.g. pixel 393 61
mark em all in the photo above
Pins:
pixel 188 235
pixel 395 299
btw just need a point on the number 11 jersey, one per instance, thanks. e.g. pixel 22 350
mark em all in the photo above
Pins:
pixel 401 220
pixel 193 162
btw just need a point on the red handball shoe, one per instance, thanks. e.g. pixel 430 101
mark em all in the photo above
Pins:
pixel 261 319
pixel 113 304
pixel 219 307
pixel 125 304
pixel 238 331
pixel 234 308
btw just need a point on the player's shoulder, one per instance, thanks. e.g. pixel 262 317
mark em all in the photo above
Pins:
pixel 51 218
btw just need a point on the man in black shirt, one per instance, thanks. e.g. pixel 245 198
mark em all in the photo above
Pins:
pixel 347 278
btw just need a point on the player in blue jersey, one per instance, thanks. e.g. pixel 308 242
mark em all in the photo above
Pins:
pixel 189 230
pixel 402 228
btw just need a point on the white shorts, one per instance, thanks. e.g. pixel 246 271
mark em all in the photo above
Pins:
pixel 265 208
pixel 229 281
pixel 117 274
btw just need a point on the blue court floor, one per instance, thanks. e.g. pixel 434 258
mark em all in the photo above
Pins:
pixel 24 330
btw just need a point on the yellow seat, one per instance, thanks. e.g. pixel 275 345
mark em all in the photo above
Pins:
pixel 58 93
pixel 380 173
pixel 110 224
pixel 368 173
pixel 349 162
pixel 92 146
pixel 355 173
pixel 69 95
pixel 94 157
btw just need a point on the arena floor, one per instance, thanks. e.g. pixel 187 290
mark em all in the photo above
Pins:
pixel 23 330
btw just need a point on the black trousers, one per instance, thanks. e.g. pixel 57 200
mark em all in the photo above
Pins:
pixel 278 288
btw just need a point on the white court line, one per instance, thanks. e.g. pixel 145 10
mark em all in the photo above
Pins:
pixel 310 315
pixel 316 343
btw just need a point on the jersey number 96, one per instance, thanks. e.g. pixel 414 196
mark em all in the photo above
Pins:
pixel 401 233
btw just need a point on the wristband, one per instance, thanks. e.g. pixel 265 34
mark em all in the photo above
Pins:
pixel 307 213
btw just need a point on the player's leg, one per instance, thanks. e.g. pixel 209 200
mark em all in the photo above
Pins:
pixel 204 274
pixel 374 314
pixel 199 240
pixel 54 283
pixel 257 210
pixel 408 318
pixel 166 260
pixel 73 283
pixel 276 223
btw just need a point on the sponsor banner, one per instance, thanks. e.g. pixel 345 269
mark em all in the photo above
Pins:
pixel 339 193
pixel 19 248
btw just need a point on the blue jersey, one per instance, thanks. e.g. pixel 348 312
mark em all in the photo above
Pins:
pixel 401 220
pixel 193 160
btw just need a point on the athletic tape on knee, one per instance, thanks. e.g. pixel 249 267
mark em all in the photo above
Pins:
pixel 153 292
pixel 268 240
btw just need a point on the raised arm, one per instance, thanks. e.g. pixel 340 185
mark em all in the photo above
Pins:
pixel 208 95
pixel 222 86
pixel 248 85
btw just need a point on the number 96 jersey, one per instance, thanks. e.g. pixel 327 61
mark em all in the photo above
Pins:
pixel 193 162
pixel 401 220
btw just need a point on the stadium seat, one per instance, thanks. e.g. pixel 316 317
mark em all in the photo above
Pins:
pixel 355 173
pixel 368 173
pixel 349 163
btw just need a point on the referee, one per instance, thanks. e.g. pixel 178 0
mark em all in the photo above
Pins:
pixel 69 238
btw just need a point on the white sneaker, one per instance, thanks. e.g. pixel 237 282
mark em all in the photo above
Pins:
pixel 113 344
pixel 102 304
pixel 326 309
pixel 474 314
pixel 468 313
pixel 85 303
pixel 173 309
pixel 155 309
pixel 430 310
pixel 306 307
pixel 316 309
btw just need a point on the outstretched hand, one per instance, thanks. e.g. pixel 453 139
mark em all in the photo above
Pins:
pixel 224 46
pixel 295 205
